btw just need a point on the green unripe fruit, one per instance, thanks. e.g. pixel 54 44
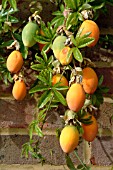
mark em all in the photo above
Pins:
pixel 28 34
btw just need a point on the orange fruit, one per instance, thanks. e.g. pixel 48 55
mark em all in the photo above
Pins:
pixel 90 26
pixel 59 78
pixel 19 90
pixel 89 80
pixel 75 97
pixel 69 138
pixel 14 61
pixel 90 130
pixel 63 56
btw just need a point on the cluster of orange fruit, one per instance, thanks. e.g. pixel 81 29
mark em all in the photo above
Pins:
pixel 75 98
pixel 76 94
pixel 14 64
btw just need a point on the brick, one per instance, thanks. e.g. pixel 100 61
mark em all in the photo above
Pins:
pixel 49 146
pixel 16 113
pixel 102 151
pixel 104 117
pixel 5 90
pixel 19 114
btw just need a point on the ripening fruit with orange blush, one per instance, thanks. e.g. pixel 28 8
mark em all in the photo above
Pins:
pixel 89 80
pixel 75 97
pixel 63 82
pixel 14 61
pixel 59 78
pixel 63 56
pixel 69 138
pixel 90 130
pixel 90 26
pixel 19 90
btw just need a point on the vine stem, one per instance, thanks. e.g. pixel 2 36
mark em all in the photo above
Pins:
pixel 76 154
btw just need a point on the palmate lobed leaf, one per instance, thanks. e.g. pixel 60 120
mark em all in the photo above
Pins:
pixel 13 4
pixel 39 88
pixel 38 67
pixel 71 4
pixel 47 46
pixel 72 20
pixel 58 21
pixel 41 115
pixel 38 131
pixel 61 88
pixel 59 97
pixel 85 42
pixel 41 39
pixel 45 98
pixel 77 54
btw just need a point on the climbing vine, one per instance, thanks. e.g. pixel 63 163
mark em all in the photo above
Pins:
pixel 54 51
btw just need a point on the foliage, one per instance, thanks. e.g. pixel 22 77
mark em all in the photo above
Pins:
pixel 66 21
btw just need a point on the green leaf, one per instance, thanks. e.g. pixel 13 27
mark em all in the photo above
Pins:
pixel 101 78
pixel 31 129
pixel 77 54
pixel 99 6
pixel 70 4
pixel 83 42
pixel 86 6
pixel 50 60
pixel 71 20
pixel 69 163
pixel 41 39
pixel 57 21
pixel 41 116
pixel 7 43
pixel 45 98
pixel 61 88
pixel 93 99
pixel 39 59
pixel 104 89
pixel 13 19
pixel 38 131
pixel 24 51
pixel 42 78
pixel 73 40
pixel 38 67
pixel 59 97
pixel 13 4
pixel 57 13
pixel 4 3
pixel 25 150
pixel 44 55
pixel 38 88
pixel 83 36
pixel 46 47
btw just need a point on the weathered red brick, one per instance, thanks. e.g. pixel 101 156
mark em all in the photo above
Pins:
pixel 16 113
pixel 49 145
pixel 102 151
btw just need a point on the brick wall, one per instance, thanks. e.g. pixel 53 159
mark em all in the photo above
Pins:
pixel 15 117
